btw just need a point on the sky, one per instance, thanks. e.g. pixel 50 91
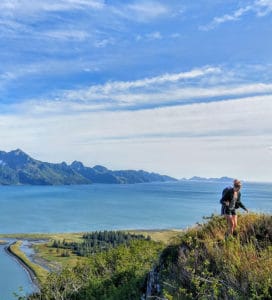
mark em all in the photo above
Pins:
pixel 177 87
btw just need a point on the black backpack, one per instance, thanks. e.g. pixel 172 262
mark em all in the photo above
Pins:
pixel 223 207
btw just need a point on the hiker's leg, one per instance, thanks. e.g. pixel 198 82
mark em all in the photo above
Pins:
pixel 232 224
pixel 234 221
pixel 229 222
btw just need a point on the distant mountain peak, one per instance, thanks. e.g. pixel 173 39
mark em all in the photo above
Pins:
pixel 100 169
pixel 18 152
pixel 77 165
pixel 18 157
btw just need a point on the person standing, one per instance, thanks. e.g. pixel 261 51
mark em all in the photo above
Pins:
pixel 231 201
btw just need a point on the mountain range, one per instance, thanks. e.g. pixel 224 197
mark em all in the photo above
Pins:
pixel 18 168
pixel 212 179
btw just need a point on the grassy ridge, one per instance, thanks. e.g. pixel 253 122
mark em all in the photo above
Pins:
pixel 203 264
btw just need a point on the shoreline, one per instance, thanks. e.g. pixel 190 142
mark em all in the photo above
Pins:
pixel 26 267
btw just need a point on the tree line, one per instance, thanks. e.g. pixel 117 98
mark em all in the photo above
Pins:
pixel 94 242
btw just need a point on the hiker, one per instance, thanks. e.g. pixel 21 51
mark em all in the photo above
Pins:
pixel 231 201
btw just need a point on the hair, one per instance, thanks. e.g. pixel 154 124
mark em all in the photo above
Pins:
pixel 237 183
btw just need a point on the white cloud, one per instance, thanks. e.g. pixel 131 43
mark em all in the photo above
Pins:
pixel 25 7
pixel 159 90
pixel 248 116
pixel 235 16
pixel 141 11
pixel 145 10
pixel 125 85
pixel 164 90
pixel 259 7
pixel 104 43
pixel 263 7
pixel 222 138
pixel 154 35
pixel 19 17
pixel 72 34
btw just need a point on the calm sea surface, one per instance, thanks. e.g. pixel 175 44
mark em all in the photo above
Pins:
pixel 31 209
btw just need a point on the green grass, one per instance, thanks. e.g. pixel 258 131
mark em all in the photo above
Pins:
pixel 164 236
pixel 203 264
pixel 54 257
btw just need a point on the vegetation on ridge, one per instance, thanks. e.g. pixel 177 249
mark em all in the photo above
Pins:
pixel 204 264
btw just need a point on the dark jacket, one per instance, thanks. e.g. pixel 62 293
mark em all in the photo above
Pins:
pixel 228 197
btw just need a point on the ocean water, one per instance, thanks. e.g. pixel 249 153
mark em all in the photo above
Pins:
pixel 32 209
pixel 29 209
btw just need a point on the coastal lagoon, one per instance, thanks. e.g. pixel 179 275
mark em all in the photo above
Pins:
pixel 12 277
pixel 33 209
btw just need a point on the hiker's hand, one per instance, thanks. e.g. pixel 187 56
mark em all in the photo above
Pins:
pixel 227 203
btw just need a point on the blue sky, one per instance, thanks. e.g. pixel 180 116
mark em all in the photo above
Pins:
pixel 177 87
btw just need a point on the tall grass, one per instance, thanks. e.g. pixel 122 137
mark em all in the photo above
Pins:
pixel 203 264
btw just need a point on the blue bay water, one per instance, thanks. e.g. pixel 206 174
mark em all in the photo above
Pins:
pixel 31 209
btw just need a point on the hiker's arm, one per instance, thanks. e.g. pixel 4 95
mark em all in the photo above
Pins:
pixel 242 206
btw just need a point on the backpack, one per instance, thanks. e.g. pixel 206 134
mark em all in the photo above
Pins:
pixel 224 192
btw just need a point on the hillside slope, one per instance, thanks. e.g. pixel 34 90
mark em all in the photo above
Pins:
pixel 203 264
